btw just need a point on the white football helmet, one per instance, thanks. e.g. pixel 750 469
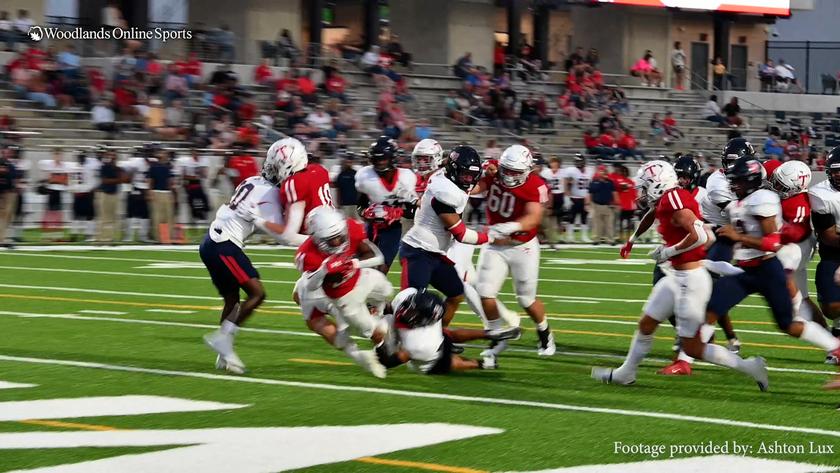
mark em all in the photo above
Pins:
pixel 284 158
pixel 515 166
pixel 655 178
pixel 791 178
pixel 329 229
pixel 427 156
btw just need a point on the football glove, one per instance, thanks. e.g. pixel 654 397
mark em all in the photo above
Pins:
pixel 504 229
pixel 626 249
pixel 337 265
pixel 382 213
pixel 662 253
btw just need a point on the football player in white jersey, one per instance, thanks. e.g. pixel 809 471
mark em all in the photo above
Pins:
pixel 255 204
pixel 137 206
pixel 423 252
pixel 56 173
pixel 756 218
pixel 386 195
pixel 417 337
pixel 825 215
pixel 555 177
pixel 577 188
pixel 84 180
pixel 193 171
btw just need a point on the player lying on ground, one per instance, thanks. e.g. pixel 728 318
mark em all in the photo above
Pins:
pixel 419 339
pixel 515 198
pixel 255 202
pixel 339 259
pixel 756 220
pixel 682 292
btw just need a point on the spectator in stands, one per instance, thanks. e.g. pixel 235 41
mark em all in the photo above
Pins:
pixel 793 151
pixel 176 85
pixel 767 76
pixel 22 25
pixel 772 147
pixel 7 31
pixel 590 142
pixel 225 39
pixel 335 86
pixel 712 112
pixel 592 57
pixel 104 119
pixel 262 74
pixel 603 195
pixel 370 61
pixel 572 106
pixel 463 66
pixel 607 144
pixel 491 150
pixel 719 73
pixel 657 129
pixel 645 68
pixel 498 59
pixel 669 125
pixel 627 145
pixel 528 114
pixel 574 59
pixel 678 59
pixel 321 123
pixel 69 62
pixel 733 113
pixel 396 51
pixel 307 89
pixel 609 121
pixel 453 108
pixel 38 90
pixel 617 101
pixel 347 120
pixel 785 77
pixel 422 129
pixel 286 46
pixel 192 70
pixel 546 120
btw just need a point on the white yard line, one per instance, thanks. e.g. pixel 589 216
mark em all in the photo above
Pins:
pixel 75 317
pixel 428 395
pixel 102 312
pixel 171 311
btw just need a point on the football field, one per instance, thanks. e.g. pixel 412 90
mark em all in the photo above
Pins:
pixel 102 362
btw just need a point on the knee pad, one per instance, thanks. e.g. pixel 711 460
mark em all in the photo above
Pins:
pixel 706 332
pixel 526 300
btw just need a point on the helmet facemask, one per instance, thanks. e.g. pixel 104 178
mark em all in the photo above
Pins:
pixel 513 177
pixel 334 244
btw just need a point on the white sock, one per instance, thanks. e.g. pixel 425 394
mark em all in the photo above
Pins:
pixel 720 356
pixel 683 357
pixel 144 228
pixel 130 224
pixel 814 334
pixel 352 350
pixel 639 348
pixel 542 326
pixel 584 232
pixel 494 324
pixel 509 316
pixel 797 303
pixel 805 311
pixel 91 228
pixel 474 302
pixel 706 332
pixel 229 328
pixel 570 232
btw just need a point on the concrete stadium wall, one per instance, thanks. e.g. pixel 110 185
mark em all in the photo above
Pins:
pixel 784 102
pixel 35 8
pixel 471 27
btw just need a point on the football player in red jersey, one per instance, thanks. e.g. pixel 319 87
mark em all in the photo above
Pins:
pixel 791 180
pixel 515 199
pixel 241 166
pixel 339 260
pixel 686 290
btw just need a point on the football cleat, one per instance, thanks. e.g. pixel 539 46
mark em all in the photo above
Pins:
pixel 510 317
pixel 370 362
pixel 546 346
pixel 833 357
pixel 223 345
pixel 511 333
pixel 677 346
pixel 677 368
pixel 457 349
pixel 488 361
pixel 758 370
pixel 220 363
pixel 734 345
pixel 607 376
pixel 496 348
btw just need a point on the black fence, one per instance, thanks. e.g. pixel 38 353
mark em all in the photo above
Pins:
pixel 817 63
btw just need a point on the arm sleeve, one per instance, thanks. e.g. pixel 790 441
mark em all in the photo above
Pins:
pixel 822 221
pixel 376 260
pixel 294 222
pixel 362 202
pixel 442 208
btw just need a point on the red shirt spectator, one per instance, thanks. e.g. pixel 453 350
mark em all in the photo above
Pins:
pixel 124 97
pixel 589 141
pixel 626 189
pixel 597 78
pixel 221 100
pixel 248 134
pixel 499 55
pixel 154 67
pixel 335 84
pixel 243 167
pixel 247 111
pixel 262 73
pixel 306 86
pixel 181 67
pixel 627 141
pixel 669 122
pixel 193 66
pixel 607 140
pixel 35 58
pixel 97 80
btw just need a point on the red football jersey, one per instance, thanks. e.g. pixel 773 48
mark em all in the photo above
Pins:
pixel 245 167
pixel 796 212
pixel 507 205
pixel 670 202
pixel 309 258
pixel 312 185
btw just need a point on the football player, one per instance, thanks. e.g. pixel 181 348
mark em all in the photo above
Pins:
pixel 423 252
pixel 685 290
pixel 254 204
pixel 419 339
pixel 756 219
pixel 791 180
pixel 193 172
pixel 426 158
pixel 304 186
pixel 339 259
pixel 577 188
pixel 137 203
pixel 515 200
pixel 386 195
pixel 825 207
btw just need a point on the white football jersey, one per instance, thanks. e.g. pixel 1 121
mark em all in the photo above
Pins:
pixel 256 191
pixel 423 344
pixel 743 215
pixel 49 168
pixel 22 166
pixel 138 168
pixel 580 182
pixel 700 194
pixel 554 179
pixel 187 166
pixel 718 192
pixel 85 177
pixel 428 232
pixel 825 200
pixel 402 189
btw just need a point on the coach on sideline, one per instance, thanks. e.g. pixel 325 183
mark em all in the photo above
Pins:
pixel 162 187
pixel 108 200
pixel 8 195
